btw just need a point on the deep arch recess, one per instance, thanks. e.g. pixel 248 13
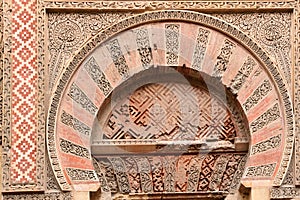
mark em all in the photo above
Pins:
pixel 230 39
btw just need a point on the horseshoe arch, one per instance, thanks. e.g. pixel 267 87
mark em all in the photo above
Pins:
pixel 197 41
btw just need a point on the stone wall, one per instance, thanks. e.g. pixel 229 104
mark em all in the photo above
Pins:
pixel 47 48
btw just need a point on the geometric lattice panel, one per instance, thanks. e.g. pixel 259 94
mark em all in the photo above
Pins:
pixel 164 111
pixel 24 95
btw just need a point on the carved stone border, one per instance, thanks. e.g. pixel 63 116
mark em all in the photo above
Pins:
pixel 170 15
pixel 285 192
pixel 51 196
pixel 296 91
pixel 6 124
pixel 161 5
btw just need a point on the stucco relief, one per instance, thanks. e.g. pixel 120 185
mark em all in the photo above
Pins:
pixel 272 31
pixel 69 31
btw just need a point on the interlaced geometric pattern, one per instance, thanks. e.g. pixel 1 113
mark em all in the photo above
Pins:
pixel 169 111
pixel 24 76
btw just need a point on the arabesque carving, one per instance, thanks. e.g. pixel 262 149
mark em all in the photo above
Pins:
pixel 6 124
pixel 173 173
pixel 223 58
pixel 51 196
pixel 267 117
pixel 74 123
pixel 75 149
pixel 271 31
pixel 172 43
pixel 160 5
pixel 202 40
pixel 69 31
pixel 262 90
pixel 242 75
pixel 80 98
pixel 80 174
pixel 261 170
pixel 143 44
pixel 118 58
pixel 98 76
pixel 297 93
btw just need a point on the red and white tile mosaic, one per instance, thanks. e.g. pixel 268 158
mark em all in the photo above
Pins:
pixel 24 92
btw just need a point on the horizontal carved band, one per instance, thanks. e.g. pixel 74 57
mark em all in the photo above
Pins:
pixel 266 145
pixel 269 116
pixel 77 150
pixel 74 123
pixel 81 174
pixel 191 5
pixel 261 170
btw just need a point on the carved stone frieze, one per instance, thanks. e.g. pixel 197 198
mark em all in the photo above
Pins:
pixel 118 58
pixel 157 170
pixel 51 182
pixel 169 173
pixel 216 177
pixel 106 167
pixel 160 5
pixel 145 174
pixel 134 176
pixel 6 123
pixel 237 175
pixel 297 93
pixel 120 173
pixel 194 173
pixel 242 75
pixel 289 179
pixel 200 48
pixel 61 56
pixel 144 49
pixel 101 176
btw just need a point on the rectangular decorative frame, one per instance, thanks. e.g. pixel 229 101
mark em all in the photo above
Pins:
pixel 43 6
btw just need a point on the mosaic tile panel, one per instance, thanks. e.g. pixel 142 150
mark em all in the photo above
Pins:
pixel 24 93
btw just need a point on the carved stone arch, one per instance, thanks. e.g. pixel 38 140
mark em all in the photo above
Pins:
pixel 224 52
